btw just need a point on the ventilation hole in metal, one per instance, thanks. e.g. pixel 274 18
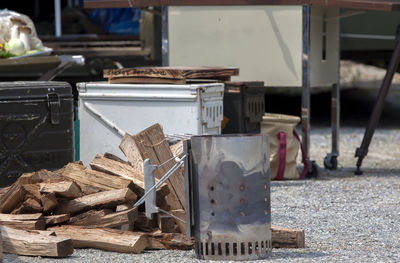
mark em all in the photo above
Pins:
pixel 262 244
pixel 242 251
pixel 235 249
pixel 212 249
pixel 214 113
pixel 206 248
pixel 256 247
pixel 212 213
pixel 212 201
pixel 201 249
pixel 219 249
pixel 227 249
pixel 250 248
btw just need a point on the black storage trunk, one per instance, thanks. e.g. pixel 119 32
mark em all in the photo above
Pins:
pixel 244 106
pixel 36 127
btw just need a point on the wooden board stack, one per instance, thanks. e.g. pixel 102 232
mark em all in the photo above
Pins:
pixel 49 213
pixel 169 75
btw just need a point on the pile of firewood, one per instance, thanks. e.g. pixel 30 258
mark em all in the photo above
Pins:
pixel 49 213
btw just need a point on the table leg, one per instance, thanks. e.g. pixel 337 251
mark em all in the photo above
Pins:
pixel 305 92
pixel 330 161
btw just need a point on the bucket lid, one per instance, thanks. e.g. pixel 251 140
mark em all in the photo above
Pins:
pixel 281 118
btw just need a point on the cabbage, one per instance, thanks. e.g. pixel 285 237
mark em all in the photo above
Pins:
pixel 15 47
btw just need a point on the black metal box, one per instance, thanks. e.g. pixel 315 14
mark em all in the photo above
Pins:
pixel 36 127
pixel 244 106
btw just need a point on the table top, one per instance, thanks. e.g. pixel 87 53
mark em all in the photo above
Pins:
pixel 381 5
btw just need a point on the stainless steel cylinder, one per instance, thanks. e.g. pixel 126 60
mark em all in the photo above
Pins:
pixel 231 196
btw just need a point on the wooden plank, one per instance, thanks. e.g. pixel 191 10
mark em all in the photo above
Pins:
pixel 152 144
pixel 167 224
pixel 114 157
pixel 130 150
pixel 3 190
pixel 142 223
pixel 30 205
pixel 62 189
pixel 25 224
pixel 172 72
pixel 49 202
pixel 84 217
pixel 96 219
pixel 32 191
pixel 24 221
pixel 41 176
pixel 124 170
pixel 130 226
pixel 35 243
pixel 12 198
pixel 77 173
pixel 26 178
pixel 103 238
pixel 113 167
pixel 56 219
pixel 175 241
pixel 133 80
pixel 287 237
pixel 105 199
pixel 22 217
pixel 95 181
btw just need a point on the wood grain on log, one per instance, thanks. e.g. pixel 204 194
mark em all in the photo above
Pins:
pixel 35 243
pixel 103 238
pixel 287 237
pixel 104 199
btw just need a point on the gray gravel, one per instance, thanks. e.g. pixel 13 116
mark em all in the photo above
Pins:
pixel 346 218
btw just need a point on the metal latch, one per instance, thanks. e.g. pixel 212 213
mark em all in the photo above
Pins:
pixel 53 102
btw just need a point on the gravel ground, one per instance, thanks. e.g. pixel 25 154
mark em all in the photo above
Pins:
pixel 346 218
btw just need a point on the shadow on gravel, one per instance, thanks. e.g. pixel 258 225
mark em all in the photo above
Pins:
pixel 348 172
pixel 287 183
pixel 297 254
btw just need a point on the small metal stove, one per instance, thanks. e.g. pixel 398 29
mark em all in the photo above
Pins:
pixel 228 196
pixel 227 188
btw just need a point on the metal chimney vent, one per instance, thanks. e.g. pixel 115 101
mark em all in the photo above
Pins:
pixel 229 196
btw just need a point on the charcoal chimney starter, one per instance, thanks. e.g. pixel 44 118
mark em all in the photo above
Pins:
pixel 228 196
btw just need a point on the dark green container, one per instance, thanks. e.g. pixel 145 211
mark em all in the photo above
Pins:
pixel 244 106
pixel 36 127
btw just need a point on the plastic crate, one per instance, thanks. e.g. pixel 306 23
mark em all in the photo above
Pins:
pixel 244 106
pixel 107 111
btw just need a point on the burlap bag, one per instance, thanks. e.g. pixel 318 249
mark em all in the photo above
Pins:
pixel 284 146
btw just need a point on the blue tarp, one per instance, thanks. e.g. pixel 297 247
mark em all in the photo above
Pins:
pixel 120 21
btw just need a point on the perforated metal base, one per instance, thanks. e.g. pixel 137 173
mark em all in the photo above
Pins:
pixel 233 251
